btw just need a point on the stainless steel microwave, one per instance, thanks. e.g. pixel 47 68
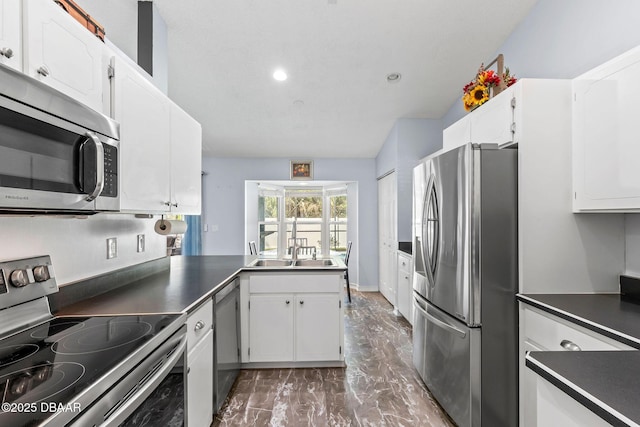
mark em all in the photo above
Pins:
pixel 56 154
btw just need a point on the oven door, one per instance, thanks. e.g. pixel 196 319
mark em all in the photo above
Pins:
pixel 151 394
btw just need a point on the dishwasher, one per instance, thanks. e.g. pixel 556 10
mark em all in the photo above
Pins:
pixel 227 339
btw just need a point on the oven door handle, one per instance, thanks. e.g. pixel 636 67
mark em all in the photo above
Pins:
pixel 133 402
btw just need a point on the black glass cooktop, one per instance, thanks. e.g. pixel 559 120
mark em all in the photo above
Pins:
pixel 43 368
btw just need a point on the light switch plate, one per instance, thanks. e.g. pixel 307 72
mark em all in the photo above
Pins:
pixel 112 247
pixel 140 243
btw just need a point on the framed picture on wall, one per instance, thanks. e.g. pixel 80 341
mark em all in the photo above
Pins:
pixel 301 169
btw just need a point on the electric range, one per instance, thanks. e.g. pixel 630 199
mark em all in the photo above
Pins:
pixel 57 371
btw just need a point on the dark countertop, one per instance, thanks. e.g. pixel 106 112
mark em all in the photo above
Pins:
pixel 607 314
pixel 405 247
pixel 605 382
pixel 188 282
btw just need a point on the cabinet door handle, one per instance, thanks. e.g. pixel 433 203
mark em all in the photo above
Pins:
pixel 301 302
pixel 571 346
pixel 43 71
pixel 199 325
pixel 7 52
pixel 287 301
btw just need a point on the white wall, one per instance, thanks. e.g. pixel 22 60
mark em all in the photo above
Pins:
pixel 563 39
pixel 408 141
pixel 224 204
pixel 120 21
pixel 78 247
pixel 632 255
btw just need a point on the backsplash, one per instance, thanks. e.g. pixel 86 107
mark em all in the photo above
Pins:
pixel 77 246
pixel 632 250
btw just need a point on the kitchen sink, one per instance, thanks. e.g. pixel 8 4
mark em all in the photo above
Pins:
pixel 271 263
pixel 314 263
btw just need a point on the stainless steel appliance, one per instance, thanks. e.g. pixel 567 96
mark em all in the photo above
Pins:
pixel 465 280
pixel 227 336
pixel 79 371
pixel 56 154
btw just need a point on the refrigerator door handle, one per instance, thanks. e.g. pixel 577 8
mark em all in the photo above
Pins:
pixel 450 328
pixel 430 230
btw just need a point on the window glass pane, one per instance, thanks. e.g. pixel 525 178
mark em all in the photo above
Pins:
pixel 268 240
pixel 338 207
pixel 303 207
pixel 337 237
pixel 268 208
pixel 338 225
pixel 308 237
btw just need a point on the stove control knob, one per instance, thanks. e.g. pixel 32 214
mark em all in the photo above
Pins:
pixel 19 278
pixel 41 273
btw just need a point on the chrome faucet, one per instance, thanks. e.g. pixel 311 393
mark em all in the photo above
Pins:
pixel 294 253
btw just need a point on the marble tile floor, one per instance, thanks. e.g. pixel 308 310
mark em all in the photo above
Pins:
pixel 379 386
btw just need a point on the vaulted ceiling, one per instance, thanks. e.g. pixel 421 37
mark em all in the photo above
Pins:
pixel 336 101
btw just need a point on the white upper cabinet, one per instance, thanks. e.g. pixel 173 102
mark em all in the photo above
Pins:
pixel 144 115
pixel 457 134
pixel 60 52
pixel 186 162
pixel 11 34
pixel 494 122
pixel 606 176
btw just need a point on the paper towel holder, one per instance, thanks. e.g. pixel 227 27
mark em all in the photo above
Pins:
pixel 162 224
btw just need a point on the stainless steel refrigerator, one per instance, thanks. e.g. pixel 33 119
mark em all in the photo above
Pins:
pixel 465 280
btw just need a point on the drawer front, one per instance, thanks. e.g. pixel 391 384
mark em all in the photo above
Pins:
pixel 404 264
pixel 294 283
pixel 199 323
pixel 555 334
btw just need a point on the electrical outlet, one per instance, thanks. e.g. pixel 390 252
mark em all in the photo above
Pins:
pixel 140 242
pixel 112 247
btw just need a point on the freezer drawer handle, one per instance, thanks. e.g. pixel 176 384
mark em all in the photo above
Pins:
pixel 571 346
pixel 440 323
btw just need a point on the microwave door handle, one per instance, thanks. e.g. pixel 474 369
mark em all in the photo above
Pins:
pixel 99 162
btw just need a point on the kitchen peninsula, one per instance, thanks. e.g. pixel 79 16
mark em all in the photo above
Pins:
pixel 279 316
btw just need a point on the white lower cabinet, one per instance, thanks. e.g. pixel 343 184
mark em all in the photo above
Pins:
pixel 556 408
pixel 293 318
pixel 200 383
pixel 271 327
pixel 200 366
pixel 317 327
pixel 405 286
pixel 541 403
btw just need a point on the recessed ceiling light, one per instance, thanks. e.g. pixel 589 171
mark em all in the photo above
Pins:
pixel 280 75
pixel 394 77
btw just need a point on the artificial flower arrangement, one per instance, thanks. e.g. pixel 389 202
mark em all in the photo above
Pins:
pixel 478 91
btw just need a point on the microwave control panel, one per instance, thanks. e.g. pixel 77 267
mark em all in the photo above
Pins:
pixel 110 171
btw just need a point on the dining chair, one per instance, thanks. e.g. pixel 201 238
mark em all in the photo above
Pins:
pixel 346 272
pixel 252 248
